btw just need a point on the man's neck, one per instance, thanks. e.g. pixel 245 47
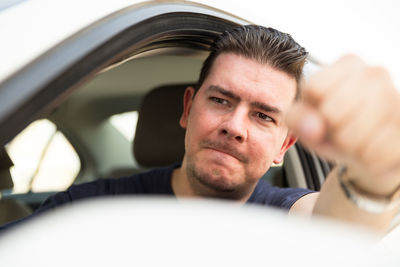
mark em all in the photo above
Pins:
pixel 180 184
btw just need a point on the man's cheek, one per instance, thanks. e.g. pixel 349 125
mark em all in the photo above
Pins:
pixel 265 151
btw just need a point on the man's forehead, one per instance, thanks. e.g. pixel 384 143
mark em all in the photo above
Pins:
pixel 237 73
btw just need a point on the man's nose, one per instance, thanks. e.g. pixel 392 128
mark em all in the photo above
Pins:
pixel 234 125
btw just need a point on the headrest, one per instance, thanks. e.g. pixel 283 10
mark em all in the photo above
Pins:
pixel 5 175
pixel 159 139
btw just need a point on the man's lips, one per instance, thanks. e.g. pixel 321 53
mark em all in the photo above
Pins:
pixel 223 152
pixel 224 148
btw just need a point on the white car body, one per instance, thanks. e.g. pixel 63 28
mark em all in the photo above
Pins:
pixel 36 29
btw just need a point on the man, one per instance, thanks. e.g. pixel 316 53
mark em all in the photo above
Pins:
pixel 235 120
pixel 236 128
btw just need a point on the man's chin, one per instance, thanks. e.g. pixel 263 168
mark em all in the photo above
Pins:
pixel 215 179
pixel 218 184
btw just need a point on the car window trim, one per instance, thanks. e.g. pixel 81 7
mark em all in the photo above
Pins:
pixel 21 104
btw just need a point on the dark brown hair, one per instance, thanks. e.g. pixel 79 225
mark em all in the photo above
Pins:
pixel 264 45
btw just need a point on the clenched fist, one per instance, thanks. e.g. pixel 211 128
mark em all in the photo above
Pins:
pixel 350 112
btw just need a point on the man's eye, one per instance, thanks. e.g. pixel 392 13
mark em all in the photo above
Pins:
pixel 219 100
pixel 264 117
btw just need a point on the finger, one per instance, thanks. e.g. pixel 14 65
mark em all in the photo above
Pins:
pixel 321 84
pixel 341 103
pixel 383 151
pixel 358 117
pixel 306 123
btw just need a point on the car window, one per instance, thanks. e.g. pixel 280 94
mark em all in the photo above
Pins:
pixel 44 160
pixel 125 123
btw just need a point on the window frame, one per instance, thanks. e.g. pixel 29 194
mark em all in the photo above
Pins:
pixel 56 74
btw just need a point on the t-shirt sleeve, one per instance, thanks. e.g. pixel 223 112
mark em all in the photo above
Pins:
pixel 266 194
pixel 286 197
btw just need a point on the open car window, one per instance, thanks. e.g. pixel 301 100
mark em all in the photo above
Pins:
pixel 44 160
pixel 125 123
pixel 107 69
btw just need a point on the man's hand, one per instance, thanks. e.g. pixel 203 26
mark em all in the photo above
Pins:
pixel 350 112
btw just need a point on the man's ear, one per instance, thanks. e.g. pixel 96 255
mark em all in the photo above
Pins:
pixel 187 104
pixel 287 143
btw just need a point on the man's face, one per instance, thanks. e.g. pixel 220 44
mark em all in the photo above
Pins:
pixel 235 124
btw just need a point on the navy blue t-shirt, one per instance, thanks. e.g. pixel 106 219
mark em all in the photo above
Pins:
pixel 158 182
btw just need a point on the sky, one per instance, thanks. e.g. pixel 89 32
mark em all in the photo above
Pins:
pixel 327 29
pixel 330 29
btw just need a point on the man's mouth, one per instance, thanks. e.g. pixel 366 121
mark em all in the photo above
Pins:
pixel 225 148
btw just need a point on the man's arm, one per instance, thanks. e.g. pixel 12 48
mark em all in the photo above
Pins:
pixel 350 114
pixel 334 203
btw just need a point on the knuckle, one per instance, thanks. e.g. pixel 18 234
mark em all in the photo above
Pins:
pixel 340 140
pixel 376 72
pixel 311 91
pixel 328 112
pixel 380 84
pixel 351 59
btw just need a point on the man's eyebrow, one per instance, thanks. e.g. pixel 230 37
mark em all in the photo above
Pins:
pixel 224 92
pixel 259 105
pixel 266 108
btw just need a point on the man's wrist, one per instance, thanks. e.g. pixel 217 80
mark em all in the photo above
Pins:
pixel 366 200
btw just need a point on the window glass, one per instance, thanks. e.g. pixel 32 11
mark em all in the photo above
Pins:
pixel 125 123
pixel 43 159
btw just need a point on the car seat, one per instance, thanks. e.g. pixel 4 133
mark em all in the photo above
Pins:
pixel 159 139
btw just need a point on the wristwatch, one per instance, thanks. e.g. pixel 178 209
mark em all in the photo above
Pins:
pixel 364 200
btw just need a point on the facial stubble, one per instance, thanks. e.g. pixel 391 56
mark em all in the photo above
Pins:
pixel 212 184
